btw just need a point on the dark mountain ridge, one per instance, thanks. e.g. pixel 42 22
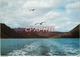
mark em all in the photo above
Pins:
pixel 7 32
pixel 74 33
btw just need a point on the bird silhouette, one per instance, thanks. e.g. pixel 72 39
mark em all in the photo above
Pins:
pixel 40 23
pixel 36 23
pixel 32 9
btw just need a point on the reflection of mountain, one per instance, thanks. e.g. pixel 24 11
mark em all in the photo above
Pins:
pixel 7 32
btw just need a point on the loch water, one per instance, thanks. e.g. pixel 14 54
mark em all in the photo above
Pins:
pixel 40 47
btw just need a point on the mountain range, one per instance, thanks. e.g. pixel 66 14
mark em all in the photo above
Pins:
pixel 7 32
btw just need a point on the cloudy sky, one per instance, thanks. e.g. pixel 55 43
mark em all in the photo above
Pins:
pixel 62 14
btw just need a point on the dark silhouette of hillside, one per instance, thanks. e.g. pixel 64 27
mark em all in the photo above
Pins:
pixel 7 32
pixel 74 33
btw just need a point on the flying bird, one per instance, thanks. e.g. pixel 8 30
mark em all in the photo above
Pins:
pixel 32 9
pixel 40 23
pixel 36 23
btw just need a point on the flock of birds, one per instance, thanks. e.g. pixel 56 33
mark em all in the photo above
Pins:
pixel 31 9
pixel 37 23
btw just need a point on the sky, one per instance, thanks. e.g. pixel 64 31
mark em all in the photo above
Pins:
pixel 64 15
